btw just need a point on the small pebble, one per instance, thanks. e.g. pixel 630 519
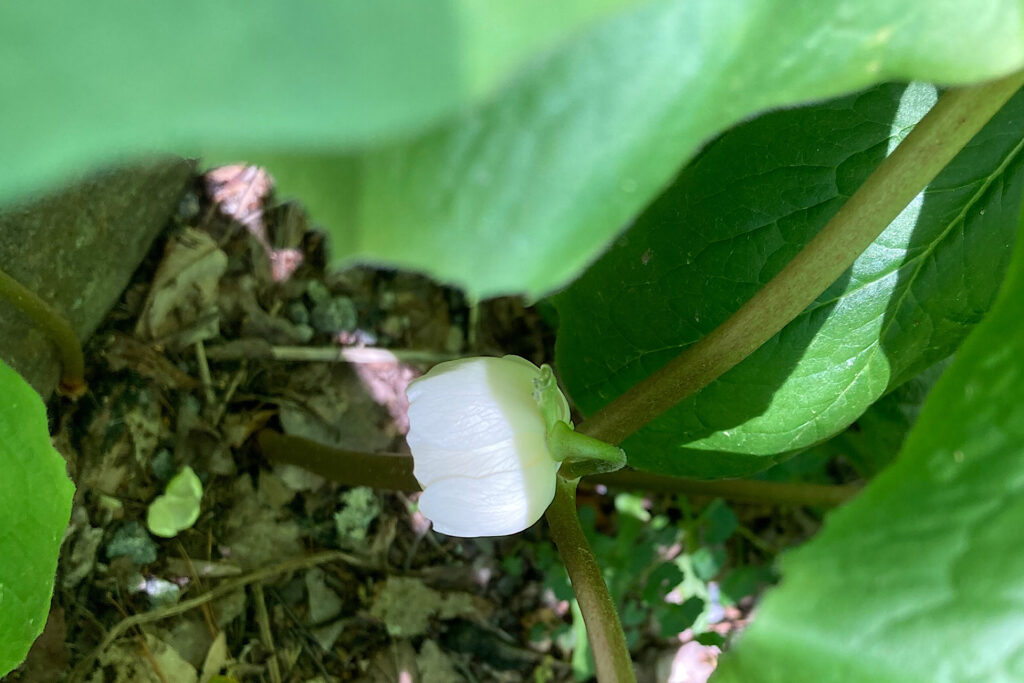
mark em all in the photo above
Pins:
pixel 160 592
pixel 163 465
pixel 334 315
pixel 298 313
pixel 132 540
pixel 317 292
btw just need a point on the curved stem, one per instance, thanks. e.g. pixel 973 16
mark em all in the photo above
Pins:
pixel 394 471
pixel 607 641
pixel 957 116
pixel 54 326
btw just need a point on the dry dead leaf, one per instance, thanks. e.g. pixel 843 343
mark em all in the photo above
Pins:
pixel 185 286
pixel 216 658
pixel 124 352
pixel 406 606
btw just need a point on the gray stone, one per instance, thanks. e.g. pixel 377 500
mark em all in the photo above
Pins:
pixel 133 540
pixel 333 315
pixel 298 313
pixel 317 292
pixel 77 250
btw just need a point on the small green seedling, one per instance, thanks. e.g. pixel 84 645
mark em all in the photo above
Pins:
pixel 178 508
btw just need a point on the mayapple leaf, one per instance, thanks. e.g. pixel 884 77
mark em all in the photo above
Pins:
pixel 875 439
pixel 920 577
pixel 732 219
pixel 521 193
pixel 498 146
pixel 99 82
pixel 35 503
pixel 179 506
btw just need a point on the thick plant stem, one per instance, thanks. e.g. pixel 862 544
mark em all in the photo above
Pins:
pixel 745 490
pixel 379 470
pixel 957 116
pixel 607 641
pixel 394 471
pixel 54 326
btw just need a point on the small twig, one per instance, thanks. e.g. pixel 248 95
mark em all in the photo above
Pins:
pixel 229 393
pixel 207 612
pixel 143 645
pixel 266 635
pixel 51 323
pixel 307 640
pixel 260 349
pixel 204 373
pixel 82 668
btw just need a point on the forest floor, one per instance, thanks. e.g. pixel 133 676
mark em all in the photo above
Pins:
pixel 232 326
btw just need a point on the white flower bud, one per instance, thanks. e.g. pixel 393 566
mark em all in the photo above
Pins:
pixel 479 446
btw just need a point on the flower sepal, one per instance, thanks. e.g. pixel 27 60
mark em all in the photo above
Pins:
pixel 582 455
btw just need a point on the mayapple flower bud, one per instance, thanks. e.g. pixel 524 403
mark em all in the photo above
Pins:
pixel 479 445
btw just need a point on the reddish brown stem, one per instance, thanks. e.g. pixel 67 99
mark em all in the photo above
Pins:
pixel 56 327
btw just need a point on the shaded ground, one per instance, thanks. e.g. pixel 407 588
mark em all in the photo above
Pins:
pixel 233 326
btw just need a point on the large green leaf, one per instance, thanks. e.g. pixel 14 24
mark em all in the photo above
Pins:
pixel 921 577
pixel 731 221
pixel 874 440
pixel 582 113
pixel 870 443
pixel 35 505
pixel 86 83
pixel 521 194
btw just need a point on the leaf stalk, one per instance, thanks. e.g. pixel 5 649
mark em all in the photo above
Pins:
pixel 393 471
pixel 956 118
pixel 53 325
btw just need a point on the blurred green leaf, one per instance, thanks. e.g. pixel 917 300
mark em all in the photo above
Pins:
pixel 98 82
pixel 582 658
pixel 634 614
pixel 498 146
pixel 920 577
pixel 674 619
pixel 521 193
pixel 710 638
pixel 35 503
pixel 633 506
pixel 555 576
pixel 663 579
pixel 720 521
pixel 732 220
pixel 877 436
pixel 743 582
pixel 707 561
pixel 512 565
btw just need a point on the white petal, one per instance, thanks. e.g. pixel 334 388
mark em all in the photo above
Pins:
pixel 431 463
pixel 464 422
pixel 469 375
pixel 474 402
pixel 498 505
